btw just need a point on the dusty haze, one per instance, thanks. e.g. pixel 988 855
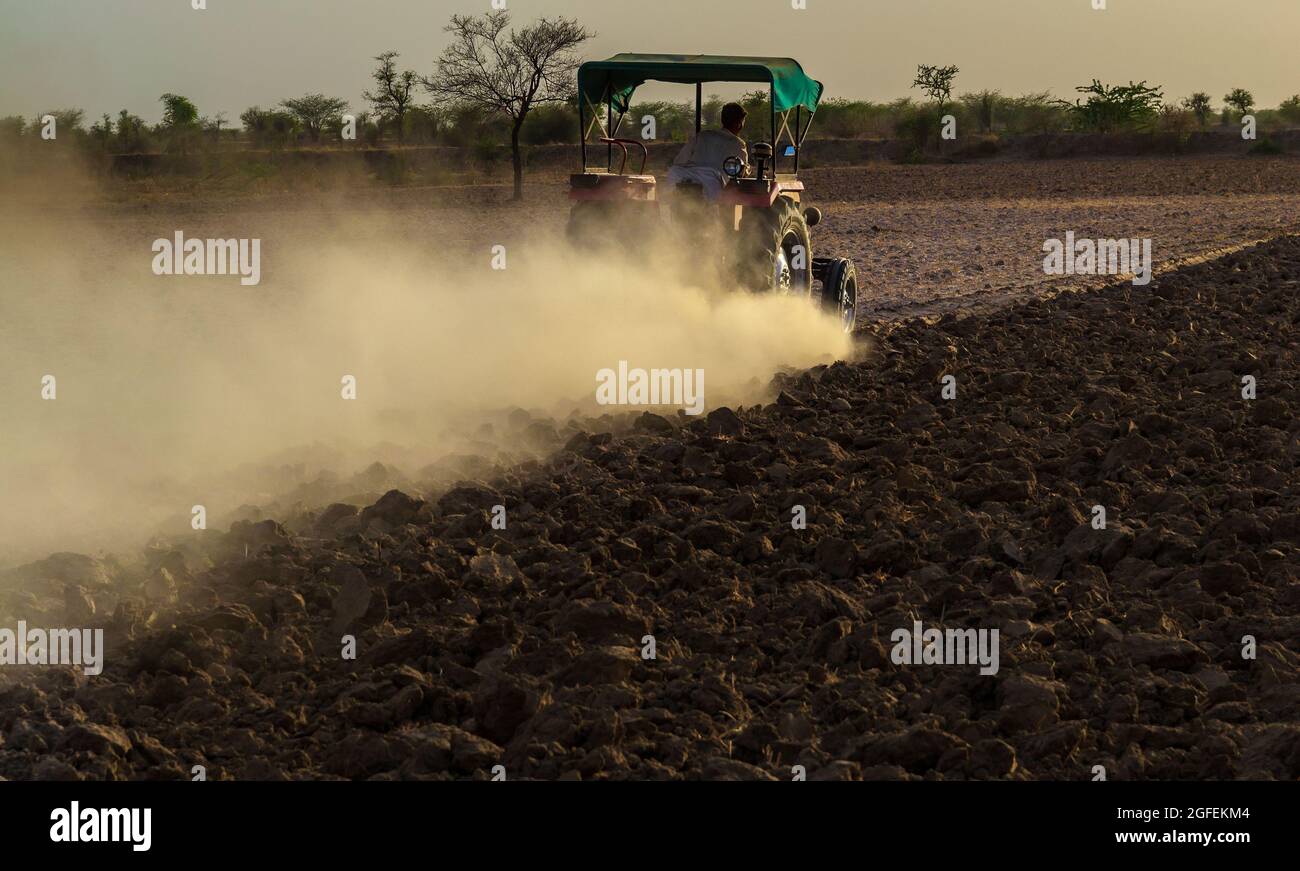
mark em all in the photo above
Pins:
pixel 175 391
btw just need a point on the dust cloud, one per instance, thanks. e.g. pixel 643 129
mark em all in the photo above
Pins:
pixel 174 391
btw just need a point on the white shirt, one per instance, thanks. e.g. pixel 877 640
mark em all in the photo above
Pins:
pixel 702 158
pixel 710 148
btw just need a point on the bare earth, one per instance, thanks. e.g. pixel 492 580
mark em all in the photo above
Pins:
pixel 926 239
pixel 1161 645
pixel 970 235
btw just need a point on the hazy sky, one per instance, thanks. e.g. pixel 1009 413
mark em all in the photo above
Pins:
pixel 104 55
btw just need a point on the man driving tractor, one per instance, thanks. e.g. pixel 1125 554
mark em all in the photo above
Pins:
pixel 744 229
pixel 701 160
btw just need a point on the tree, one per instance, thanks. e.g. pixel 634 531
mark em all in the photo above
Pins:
pixel 392 96
pixel 1241 100
pixel 102 131
pixel 508 73
pixel 1117 107
pixel 1199 105
pixel 936 82
pixel 212 126
pixel 65 121
pixel 315 111
pixel 180 123
pixel 130 133
pixel 178 111
pixel 268 126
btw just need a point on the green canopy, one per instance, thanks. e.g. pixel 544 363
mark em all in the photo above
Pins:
pixel 615 79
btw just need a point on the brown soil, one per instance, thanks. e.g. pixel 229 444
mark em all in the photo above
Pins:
pixel 1121 647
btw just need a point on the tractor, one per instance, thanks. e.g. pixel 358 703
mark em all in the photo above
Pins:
pixel 756 234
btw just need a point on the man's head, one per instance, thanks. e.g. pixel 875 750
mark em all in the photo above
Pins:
pixel 733 117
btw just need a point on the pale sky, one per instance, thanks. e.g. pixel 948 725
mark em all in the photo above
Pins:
pixel 105 55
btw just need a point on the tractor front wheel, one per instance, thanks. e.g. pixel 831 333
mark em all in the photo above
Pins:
pixel 839 296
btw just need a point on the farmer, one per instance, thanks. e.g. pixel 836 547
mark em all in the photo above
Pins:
pixel 702 158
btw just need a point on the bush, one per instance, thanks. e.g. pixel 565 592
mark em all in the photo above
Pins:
pixel 464 125
pixel 1110 108
pixel 982 108
pixel 421 125
pixel 855 119
pixel 67 125
pixel 674 122
pixel 269 128
pixel 1033 114
pixel 132 134
pixel 917 125
pixel 1173 119
pixel 1289 111
pixel 552 125
pixel 11 128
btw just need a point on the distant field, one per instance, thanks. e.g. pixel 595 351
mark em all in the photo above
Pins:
pixel 925 238
pixel 233 169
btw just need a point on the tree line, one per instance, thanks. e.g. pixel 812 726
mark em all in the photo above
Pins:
pixel 495 85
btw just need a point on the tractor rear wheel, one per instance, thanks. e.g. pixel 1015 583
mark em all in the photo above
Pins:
pixel 776 249
pixel 614 226
pixel 590 224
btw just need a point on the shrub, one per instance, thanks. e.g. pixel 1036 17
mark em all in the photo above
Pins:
pixel 420 124
pixel 552 124
pixel 11 128
pixel 1289 111
pixel 1173 119
pixel 982 108
pixel 1034 114
pixel 271 128
pixel 67 124
pixel 132 134
pixel 1266 147
pixel 917 125
pixel 1118 107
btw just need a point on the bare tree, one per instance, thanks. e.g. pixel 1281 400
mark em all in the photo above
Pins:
pixel 392 96
pixel 936 82
pixel 508 73
pixel 212 126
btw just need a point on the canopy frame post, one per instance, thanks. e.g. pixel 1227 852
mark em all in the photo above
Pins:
pixel 798 146
pixel 776 158
pixel 803 134
pixel 587 128
pixel 582 130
